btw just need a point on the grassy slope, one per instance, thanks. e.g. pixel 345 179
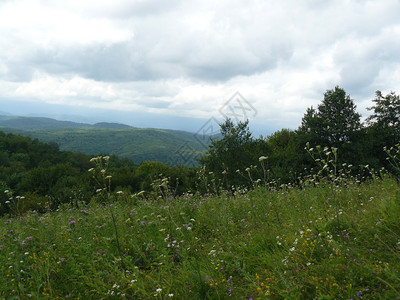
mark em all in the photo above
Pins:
pixel 316 242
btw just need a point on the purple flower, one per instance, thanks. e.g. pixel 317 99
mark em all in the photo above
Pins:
pixel 143 223
pixel 72 222
pixel 28 238
pixel 1 246
pixel 62 258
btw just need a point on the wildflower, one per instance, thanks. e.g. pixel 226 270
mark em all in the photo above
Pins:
pixel 170 295
pixel 72 222
pixel 261 158
pixel 158 290
pixel 28 238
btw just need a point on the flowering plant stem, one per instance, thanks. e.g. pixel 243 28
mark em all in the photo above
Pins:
pixel 117 239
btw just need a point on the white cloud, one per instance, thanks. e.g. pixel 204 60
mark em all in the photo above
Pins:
pixel 187 58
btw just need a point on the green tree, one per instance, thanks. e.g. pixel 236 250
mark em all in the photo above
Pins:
pixel 386 113
pixel 335 122
pixel 384 125
pixel 285 158
pixel 311 128
pixel 231 152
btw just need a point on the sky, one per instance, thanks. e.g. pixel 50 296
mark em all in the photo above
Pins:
pixel 179 64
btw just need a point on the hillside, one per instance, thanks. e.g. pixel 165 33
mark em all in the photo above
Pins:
pixel 138 144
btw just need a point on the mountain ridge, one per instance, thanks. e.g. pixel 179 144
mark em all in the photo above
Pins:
pixel 175 147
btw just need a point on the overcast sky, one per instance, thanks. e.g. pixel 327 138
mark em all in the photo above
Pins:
pixel 177 58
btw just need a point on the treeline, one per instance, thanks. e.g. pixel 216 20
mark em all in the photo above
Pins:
pixel 43 177
pixel 37 175
pixel 334 124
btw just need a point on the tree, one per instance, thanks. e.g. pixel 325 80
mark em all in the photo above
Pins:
pixel 311 128
pixel 384 129
pixel 335 122
pixel 231 152
pixel 386 113
pixel 285 160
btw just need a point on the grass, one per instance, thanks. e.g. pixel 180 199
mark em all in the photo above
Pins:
pixel 318 242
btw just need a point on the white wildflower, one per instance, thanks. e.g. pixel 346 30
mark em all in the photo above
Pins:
pixel 261 158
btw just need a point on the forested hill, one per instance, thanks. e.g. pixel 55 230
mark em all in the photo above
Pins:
pixel 137 144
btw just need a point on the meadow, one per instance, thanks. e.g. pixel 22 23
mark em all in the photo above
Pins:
pixel 325 238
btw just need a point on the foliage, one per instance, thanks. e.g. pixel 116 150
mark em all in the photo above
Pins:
pixel 262 218
pixel 137 144
pixel 283 243
pixel 386 111
pixel 30 167
pixel 336 120
pixel 233 152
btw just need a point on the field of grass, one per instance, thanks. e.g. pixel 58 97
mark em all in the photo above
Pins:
pixel 319 241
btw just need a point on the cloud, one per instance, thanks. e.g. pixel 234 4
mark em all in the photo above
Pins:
pixel 187 58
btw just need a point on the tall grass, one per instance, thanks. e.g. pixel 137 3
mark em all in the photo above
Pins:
pixel 264 243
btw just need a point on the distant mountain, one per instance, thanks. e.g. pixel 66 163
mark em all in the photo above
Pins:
pixel 111 125
pixel 3 113
pixel 139 144
pixel 37 123
pixel 2 117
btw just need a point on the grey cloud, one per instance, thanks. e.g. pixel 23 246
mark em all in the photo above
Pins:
pixel 362 62
pixel 131 61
